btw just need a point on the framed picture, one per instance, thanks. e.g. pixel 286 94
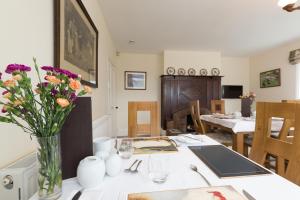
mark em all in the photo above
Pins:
pixel 135 80
pixel 76 40
pixel 270 78
pixel 294 57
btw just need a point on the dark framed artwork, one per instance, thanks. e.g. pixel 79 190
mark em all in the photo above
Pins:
pixel 135 80
pixel 270 78
pixel 76 40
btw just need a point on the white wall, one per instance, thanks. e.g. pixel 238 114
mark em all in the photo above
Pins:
pixel 236 71
pixel 150 63
pixel 272 59
pixel 27 31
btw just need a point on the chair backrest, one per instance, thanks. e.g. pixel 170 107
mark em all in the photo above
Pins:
pixel 144 129
pixel 281 147
pixel 218 106
pixel 195 113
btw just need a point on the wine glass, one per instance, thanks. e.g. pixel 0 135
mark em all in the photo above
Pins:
pixel 126 148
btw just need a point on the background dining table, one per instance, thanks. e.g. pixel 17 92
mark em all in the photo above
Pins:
pixel 238 126
pixel 261 187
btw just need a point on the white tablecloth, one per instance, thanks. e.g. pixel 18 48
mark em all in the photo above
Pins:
pixel 263 187
pixel 240 125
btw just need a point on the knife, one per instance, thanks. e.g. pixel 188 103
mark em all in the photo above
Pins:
pixel 249 196
pixel 77 195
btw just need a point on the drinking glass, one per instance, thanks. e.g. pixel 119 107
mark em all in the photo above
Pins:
pixel 158 168
pixel 126 148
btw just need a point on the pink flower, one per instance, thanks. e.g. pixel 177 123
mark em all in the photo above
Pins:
pixel 62 102
pixel 53 80
pixel 74 84
pixel 6 94
pixel 87 89
pixel 9 83
pixel 17 77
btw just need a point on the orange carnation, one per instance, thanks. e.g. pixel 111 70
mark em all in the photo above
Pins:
pixel 62 102
pixel 7 95
pixel 74 84
pixel 87 89
pixel 9 83
pixel 17 77
pixel 53 80
pixel 17 102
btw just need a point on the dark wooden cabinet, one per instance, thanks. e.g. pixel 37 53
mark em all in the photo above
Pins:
pixel 178 91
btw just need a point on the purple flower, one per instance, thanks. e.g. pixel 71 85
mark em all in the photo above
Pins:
pixel 3 110
pixel 43 84
pixel 0 75
pixel 66 72
pixel 5 92
pixel 54 92
pixel 17 67
pixel 73 97
pixel 48 68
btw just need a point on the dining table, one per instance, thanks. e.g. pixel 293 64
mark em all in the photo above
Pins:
pixel 260 187
pixel 237 126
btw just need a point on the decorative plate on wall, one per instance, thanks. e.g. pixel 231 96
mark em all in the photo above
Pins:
pixel 203 72
pixel 170 70
pixel 181 71
pixel 191 72
pixel 215 72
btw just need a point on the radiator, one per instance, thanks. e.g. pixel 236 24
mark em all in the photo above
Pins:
pixel 19 180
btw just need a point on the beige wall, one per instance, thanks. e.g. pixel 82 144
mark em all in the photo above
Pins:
pixel 272 59
pixel 150 63
pixel 191 59
pixel 236 71
pixel 27 31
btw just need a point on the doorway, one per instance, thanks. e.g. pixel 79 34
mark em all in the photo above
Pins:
pixel 112 100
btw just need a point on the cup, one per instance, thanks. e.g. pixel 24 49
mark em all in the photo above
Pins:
pixel 103 144
pixel 158 168
pixel 125 148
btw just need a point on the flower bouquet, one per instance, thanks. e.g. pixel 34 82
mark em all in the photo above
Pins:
pixel 41 111
pixel 247 102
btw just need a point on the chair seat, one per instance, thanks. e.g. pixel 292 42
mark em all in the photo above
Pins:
pixel 223 138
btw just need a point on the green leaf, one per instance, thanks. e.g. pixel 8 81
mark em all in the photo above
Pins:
pixel 5 120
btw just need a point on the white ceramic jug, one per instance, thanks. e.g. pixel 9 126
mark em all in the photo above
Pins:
pixel 113 165
pixel 90 172
pixel 103 144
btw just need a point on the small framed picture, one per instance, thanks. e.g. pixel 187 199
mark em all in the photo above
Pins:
pixel 135 80
pixel 270 78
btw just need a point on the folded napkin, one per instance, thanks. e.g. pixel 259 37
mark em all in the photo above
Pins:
pixel 188 139
pixel 87 195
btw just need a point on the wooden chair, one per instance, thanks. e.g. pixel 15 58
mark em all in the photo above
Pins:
pixel 218 106
pixel 144 129
pixel 223 138
pixel 286 151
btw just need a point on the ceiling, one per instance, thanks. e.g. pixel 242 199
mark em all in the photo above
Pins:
pixel 233 27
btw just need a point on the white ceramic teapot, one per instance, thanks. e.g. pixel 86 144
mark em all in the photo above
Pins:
pixel 90 171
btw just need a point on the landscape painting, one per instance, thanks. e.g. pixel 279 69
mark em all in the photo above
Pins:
pixel 76 40
pixel 270 78
pixel 135 80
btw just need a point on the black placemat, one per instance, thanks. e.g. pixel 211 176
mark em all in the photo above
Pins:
pixel 226 163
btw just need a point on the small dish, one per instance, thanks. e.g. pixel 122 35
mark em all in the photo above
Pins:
pixel 170 70
pixel 203 72
pixel 181 72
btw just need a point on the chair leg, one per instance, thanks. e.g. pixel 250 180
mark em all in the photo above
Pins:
pixel 246 149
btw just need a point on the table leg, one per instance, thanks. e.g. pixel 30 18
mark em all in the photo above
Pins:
pixel 238 142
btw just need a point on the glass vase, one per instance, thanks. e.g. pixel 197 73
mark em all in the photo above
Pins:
pixel 49 174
